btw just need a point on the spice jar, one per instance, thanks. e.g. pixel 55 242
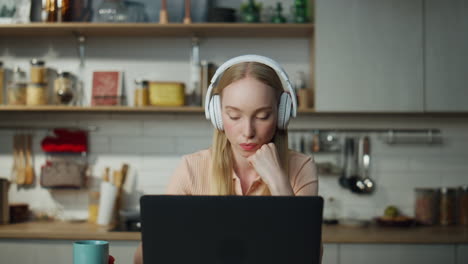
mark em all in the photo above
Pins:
pixel 38 71
pixel 426 206
pixel 17 88
pixel 36 94
pixel 63 89
pixel 447 206
pixel 463 205
pixel 141 96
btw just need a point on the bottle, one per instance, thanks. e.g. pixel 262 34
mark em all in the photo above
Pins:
pixel 49 10
pixel 303 94
pixel 141 95
pixel 64 10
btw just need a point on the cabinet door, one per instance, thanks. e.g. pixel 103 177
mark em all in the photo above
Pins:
pixel 369 55
pixel 462 254
pixel 396 254
pixel 446 31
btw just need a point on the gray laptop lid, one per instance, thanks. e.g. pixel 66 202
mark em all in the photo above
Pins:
pixel 231 229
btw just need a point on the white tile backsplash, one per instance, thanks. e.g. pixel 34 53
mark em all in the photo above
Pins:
pixel 153 148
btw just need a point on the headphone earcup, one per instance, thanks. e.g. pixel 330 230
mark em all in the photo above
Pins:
pixel 215 112
pixel 284 111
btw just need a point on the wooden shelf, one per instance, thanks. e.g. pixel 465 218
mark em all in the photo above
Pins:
pixel 117 109
pixel 199 110
pixel 129 109
pixel 259 30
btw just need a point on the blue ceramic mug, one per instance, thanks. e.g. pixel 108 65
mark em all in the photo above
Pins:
pixel 91 252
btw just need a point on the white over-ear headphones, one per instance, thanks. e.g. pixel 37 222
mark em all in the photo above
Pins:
pixel 287 107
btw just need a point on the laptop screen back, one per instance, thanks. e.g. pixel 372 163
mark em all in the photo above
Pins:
pixel 231 229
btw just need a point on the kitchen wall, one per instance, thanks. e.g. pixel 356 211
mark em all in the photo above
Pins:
pixel 153 143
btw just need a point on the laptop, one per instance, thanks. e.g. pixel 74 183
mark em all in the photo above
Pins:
pixel 231 229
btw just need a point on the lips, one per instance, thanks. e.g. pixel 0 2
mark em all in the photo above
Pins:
pixel 248 146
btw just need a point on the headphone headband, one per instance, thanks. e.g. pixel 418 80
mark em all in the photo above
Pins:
pixel 283 76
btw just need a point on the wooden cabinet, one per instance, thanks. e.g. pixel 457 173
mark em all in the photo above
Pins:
pixel 369 56
pixel 56 251
pixel 462 254
pixel 396 253
pixel 446 55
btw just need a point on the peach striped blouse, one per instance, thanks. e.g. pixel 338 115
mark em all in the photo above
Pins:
pixel 191 176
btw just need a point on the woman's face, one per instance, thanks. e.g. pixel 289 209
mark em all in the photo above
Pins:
pixel 249 112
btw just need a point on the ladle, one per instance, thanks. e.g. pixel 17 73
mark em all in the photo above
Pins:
pixel 368 182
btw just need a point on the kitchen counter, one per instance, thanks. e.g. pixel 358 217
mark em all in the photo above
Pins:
pixel 331 234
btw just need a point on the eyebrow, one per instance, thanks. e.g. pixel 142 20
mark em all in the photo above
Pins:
pixel 257 110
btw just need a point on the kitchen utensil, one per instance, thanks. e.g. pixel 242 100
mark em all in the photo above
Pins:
pixel 29 169
pixel 20 172
pixel 356 181
pixel 368 182
pixel 14 167
pixel 348 149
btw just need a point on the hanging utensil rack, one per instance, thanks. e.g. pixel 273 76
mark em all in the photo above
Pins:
pixel 389 135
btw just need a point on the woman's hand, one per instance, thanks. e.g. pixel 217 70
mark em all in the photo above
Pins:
pixel 267 164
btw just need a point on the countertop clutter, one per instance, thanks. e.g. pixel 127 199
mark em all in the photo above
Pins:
pixel 330 234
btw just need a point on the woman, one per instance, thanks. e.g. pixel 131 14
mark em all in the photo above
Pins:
pixel 250 110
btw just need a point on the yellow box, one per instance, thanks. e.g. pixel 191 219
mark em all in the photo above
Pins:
pixel 167 93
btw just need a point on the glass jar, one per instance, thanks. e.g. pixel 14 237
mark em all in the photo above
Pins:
pixel 93 206
pixel 38 71
pixel 447 206
pixel 63 89
pixel 463 205
pixel 112 11
pixel 426 206
pixel 36 94
pixel 17 88
pixel 141 96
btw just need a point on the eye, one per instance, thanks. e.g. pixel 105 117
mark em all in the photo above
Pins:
pixel 263 116
pixel 233 117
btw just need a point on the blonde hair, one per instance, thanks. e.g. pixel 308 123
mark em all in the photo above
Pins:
pixel 221 152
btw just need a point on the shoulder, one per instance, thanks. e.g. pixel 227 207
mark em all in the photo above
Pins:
pixel 199 156
pixel 197 162
pixel 301 166
pixel 297 159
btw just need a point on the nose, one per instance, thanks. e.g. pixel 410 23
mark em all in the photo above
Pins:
pixel 248 129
